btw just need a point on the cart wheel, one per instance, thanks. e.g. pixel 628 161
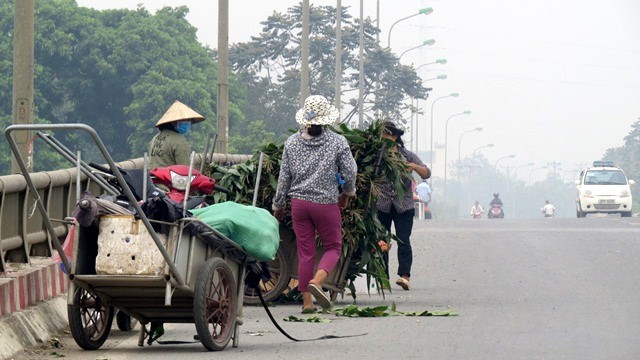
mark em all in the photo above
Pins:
pixel 214 304
pixel 89 320
pixel 280 277
pixel 124 321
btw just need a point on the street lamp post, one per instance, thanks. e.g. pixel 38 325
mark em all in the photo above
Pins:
pixel 425 11
pixel 446 129
pixel 473 155
pixel 439 77
pixel 431 125
pixel 460 148
pixel 515 193
pixel 515 171
pixel 438 61
pixel 502 158
pixel 496 168
pixel 538 168
pixel 414 133
pixel 361 68
pixel 424 43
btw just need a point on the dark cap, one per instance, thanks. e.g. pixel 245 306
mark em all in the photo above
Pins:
pixel 393 129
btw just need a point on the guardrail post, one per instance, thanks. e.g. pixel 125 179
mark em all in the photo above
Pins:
pixel 12 245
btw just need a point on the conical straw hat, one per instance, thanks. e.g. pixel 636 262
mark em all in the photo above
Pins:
pixel 179 112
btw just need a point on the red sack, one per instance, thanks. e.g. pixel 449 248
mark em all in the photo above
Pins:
pixel 175 178
pixel 67 246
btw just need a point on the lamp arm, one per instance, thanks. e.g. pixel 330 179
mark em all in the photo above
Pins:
pixel 394 24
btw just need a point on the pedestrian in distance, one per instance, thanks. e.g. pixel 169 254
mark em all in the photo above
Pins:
pixel 400 211
pixel 315 161
pixel 424 195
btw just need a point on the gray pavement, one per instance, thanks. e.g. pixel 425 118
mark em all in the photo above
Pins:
pixel 524 289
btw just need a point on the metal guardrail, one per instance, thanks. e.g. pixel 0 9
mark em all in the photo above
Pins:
pixel 22 230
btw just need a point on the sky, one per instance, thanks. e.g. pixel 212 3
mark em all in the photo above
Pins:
pixel 553 82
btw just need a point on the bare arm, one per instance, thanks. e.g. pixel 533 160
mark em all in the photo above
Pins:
pixel 423 171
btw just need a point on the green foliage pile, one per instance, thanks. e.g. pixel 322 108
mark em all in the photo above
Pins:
pixel 361 230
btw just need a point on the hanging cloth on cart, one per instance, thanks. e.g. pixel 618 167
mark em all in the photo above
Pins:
pixel 167 210
pixel 90 207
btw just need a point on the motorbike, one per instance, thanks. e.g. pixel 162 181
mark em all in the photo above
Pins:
pixel 477 214
pixel 496 212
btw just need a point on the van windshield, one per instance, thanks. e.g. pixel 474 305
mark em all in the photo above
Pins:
pixel 605 177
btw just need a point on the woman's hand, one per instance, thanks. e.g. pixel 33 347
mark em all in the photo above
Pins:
pixel 279 214
pixel 343 201
pixel 423 171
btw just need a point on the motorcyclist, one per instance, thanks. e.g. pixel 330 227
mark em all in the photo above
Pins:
pixel 477 210
pixel 548 209
pixel 496 199
pixel 495 202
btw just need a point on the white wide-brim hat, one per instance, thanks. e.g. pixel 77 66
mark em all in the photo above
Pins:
pixel 317 111
pixel 179 112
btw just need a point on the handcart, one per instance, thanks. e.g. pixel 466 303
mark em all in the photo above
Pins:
pixel 175 277
pixel 284 269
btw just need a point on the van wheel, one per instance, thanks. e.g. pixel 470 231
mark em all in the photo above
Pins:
pixel 626 214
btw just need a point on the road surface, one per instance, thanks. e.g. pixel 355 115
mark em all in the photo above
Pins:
pixel 524 289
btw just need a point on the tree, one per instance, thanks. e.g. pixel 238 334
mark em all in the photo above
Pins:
pixel 269 66
pixel 627 157
pixel 117 71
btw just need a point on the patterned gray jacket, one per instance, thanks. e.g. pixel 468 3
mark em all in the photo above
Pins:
pixel 309 167
pixel 388 195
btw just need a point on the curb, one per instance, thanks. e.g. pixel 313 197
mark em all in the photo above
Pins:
pixel 32 326
pixel 25 285
pixel 33 306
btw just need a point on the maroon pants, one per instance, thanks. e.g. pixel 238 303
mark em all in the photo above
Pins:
pixel 309 218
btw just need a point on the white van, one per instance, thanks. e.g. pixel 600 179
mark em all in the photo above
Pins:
pixel 603 188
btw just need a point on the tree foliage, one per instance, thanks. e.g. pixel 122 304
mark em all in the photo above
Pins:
pixel 269 66
pixel 119 70
pixel 627 157
pixel 115 70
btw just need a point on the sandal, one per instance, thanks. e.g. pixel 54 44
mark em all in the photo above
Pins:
pixel 403 283
pixel 322 299
pixel 309 310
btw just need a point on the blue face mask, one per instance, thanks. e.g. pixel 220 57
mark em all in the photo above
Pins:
pixel 183 127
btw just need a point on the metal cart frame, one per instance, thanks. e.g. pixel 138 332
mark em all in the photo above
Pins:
pixel 200 283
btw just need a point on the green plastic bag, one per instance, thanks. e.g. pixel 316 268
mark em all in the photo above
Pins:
pixel 253 228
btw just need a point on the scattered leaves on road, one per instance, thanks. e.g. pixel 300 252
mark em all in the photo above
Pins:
pixel 310 319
